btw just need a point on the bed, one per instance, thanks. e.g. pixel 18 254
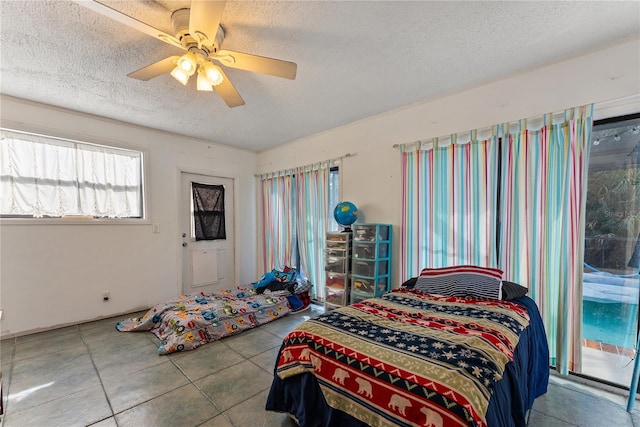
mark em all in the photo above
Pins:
pixel 190 321
pixel 411 358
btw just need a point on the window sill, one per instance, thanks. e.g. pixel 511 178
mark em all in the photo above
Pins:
pixel 74 220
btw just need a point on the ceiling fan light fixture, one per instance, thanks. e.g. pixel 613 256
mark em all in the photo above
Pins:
pixel 180 75
pixel 187 63
pixel 213 73
pixel 203 83
pixel 198 31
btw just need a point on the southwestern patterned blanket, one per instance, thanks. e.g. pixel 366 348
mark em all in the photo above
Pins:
pixel 407 358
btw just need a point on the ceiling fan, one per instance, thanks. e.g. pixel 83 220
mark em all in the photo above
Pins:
pixel 198 31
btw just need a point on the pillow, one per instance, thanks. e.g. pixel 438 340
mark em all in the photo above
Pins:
pixel 512 290
pixel 461 280
pixel 409 284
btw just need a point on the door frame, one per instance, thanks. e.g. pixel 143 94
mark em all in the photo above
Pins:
pixel 178 225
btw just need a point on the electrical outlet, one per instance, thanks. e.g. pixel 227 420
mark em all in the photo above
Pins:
pixel 106 296
pixel 155 228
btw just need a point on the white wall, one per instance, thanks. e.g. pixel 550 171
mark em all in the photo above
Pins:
pixel 52 275
pixel 371 177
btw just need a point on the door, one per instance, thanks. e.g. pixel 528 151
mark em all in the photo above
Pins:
pixel 207 265
pixel 611 282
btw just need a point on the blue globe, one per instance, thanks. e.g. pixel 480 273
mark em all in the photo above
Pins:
pixel 345 214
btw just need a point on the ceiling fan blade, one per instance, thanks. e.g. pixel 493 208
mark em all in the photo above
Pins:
pixel 229 93
pixel 257 64
pixel 129 21
pixel 155 69
pixel 204 18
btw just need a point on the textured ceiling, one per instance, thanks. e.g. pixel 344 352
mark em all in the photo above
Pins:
pixel 355 59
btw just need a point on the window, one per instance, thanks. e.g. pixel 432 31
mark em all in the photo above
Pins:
pixel 332 225
pixel 612 250
pixel 334 198
pixel 47 177
pixel 207 212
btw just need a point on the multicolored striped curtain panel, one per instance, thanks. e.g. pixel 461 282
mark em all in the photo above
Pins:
pixel 449 204
pixel 312 200
pixel 534 230
pixel 543 189
pixel 278 221
pixel 294 218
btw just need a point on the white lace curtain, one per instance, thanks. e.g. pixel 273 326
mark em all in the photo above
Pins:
pixel 42 176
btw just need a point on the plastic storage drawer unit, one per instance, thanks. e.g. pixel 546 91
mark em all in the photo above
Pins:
pixel 337 265
pixel 370 268
pixel 337 280
pixel 370 250
pixel 371 232
pixel 369 286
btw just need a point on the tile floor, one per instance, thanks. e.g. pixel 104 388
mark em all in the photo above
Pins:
pixel 91 374
pixel 608 366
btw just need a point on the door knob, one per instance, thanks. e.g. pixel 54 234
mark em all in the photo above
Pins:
pixel 184 244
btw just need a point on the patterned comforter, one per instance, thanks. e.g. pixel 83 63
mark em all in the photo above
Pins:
pixel 190 321
pixel 408 358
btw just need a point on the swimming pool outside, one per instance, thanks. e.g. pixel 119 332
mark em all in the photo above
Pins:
pixel 610 323
pixel 610 307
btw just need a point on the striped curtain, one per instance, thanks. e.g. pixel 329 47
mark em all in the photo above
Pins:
pixel 543 188
pixel 448 203
pixel 278 221
pixel 312 199
pixel 451 214
pixel 294 220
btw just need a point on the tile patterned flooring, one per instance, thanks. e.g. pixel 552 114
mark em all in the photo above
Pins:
pixel 91 374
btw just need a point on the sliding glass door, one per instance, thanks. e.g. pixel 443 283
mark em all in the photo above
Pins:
pixel 612 251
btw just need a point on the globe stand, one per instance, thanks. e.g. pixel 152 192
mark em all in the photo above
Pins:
pixel 346 229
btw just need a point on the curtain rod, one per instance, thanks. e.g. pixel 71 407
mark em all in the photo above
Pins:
pixel 505 126
pixel 472 134
pixel 284 171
